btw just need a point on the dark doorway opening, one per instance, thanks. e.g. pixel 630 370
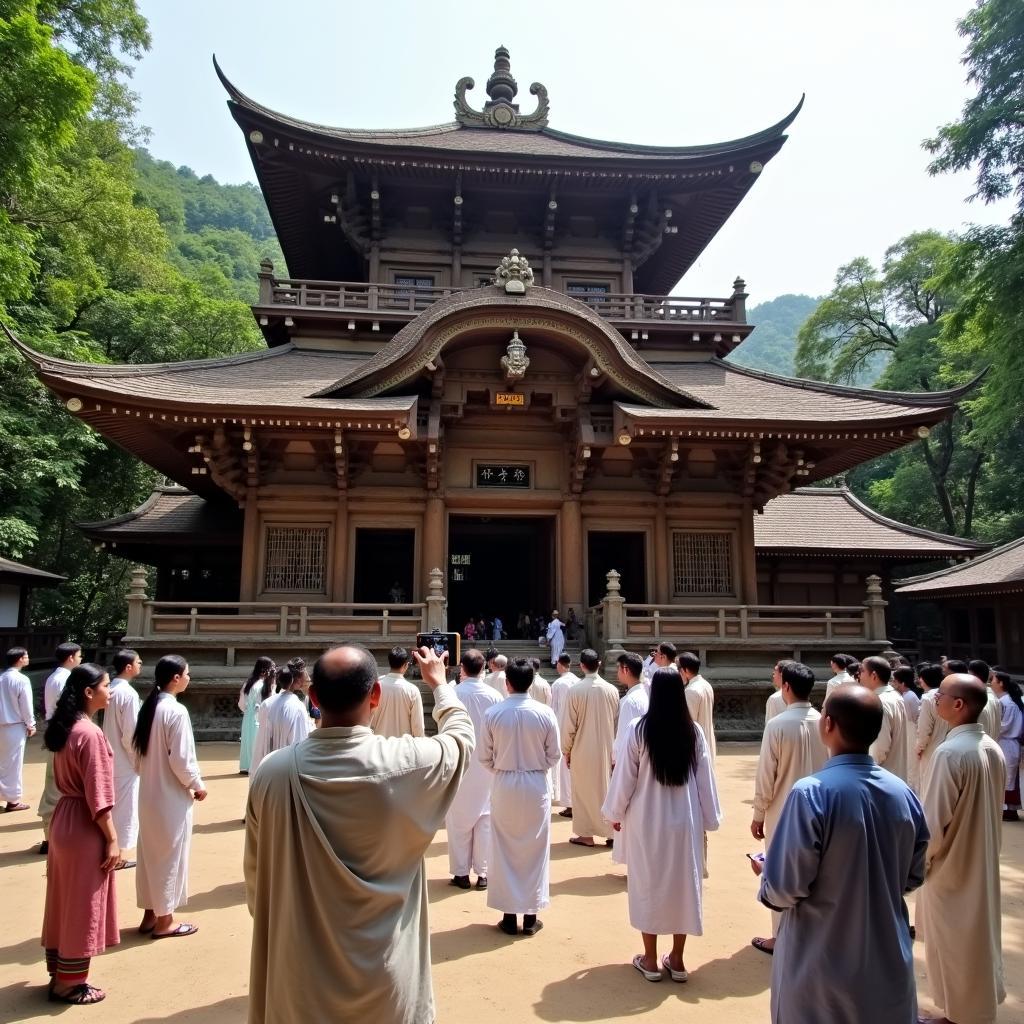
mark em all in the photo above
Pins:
pixel 384 565
pixel 500 565
pixel 624 552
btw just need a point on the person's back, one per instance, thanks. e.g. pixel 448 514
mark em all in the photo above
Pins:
pixel 400 712
pixel 336 829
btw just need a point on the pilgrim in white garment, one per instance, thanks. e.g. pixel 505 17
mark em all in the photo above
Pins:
pixel 700 698
pixel 591 714
pixel 495 679
pixel 261 745
pixel 633 705
pixel 169 782
pixel 519 744
pixel 400 711
pixel 17 723
pixel 561 783
pixel 468 822
pixel 663 825
pixel 992 716
pixel 119 721
pixel 773 707
pixel 288 721
pixel 959 906
pixel 52 689
pixel 555 635
pixel 891 750
pixel 1009 742
pixel 931 729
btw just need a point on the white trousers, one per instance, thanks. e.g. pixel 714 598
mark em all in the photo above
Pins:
pixel 12 757
pixel 468 847
pixel 51 796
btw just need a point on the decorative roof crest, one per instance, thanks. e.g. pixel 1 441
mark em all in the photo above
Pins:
pixel 513 273
pixel 515 362
pixel 499 110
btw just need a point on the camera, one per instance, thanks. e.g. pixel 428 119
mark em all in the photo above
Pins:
pixel 440 642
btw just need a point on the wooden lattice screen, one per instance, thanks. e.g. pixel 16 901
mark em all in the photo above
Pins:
pixel 702 563
pixel 295 559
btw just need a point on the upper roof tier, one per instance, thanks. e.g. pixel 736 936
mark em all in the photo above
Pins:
pixel 328 189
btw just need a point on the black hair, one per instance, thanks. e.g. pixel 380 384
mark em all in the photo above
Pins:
pixel 589 659
pixel 342 689
pixel 398 657
pixel 932 675
pixel 905 674
pixel 879 666
pixel 956 666
pixel 632 663
pixel 979 669
pixel 519 673
pixel 14 655
pixel 490 654
pixel 858 720
pixel 842 660
pixel 800 679
pixel 167 668
pixel 472 661
pixel 65 651
pixel 565 659
pixel 668 649
pixel 297 666
pixel 285 678
pixel 1012 687
pixel 689 661
pixel 261 669
pixel 71 704
pixel 123 659
pixel 668 732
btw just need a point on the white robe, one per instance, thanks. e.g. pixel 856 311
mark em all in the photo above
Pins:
pixel 773 706
pixel 931 731
pixel 261 745
pixel 561 782
pixel 52 689
pixel 663 828
pixel 959 905
pixel 540 690
pixel 556 638
pixel 591 713
pixel 16 718
pixel 632 706
pixel 992 715
pixel 288 721
pixel 519 743
pixel 119 722
pixel 468 821
pixel 400 711
pixel 843 679
pixel 892 748
pixel 700 699
pixel 496 681
pixel 1009 738
pixel 168 776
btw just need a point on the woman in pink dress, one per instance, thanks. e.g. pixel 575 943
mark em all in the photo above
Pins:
pixel 80 919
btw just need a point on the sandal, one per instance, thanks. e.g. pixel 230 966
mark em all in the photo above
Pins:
pixel 762 945
pixel 11 808
pixel 180 931
pixel 80 995
pixel 579 842
pixel 638 963
pixel 674 975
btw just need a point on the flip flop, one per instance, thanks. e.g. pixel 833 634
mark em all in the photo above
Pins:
pixel 761 944
pixel 181 931
pixel 11 808
pixel 80 995
pixel 638 963
pixel 579 842
pixel 567 813
pixel 674 975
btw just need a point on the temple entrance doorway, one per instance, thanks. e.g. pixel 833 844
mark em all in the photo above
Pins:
pixel 500 565
pixel 626 553
pixel 384 565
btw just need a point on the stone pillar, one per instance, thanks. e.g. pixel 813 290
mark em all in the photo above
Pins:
pixel 437 605
pixel 250 548
pixel 432 555
pixel 570 543
pixel 136 603
pixel 613 604
pixel 874 610
pixel 661 555
pixel 339 567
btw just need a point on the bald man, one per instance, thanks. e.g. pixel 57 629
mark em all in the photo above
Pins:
pixel 959 906
pixel 336 829
pixel 850 841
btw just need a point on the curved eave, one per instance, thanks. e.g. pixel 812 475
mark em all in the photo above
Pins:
pixel 839 550
pixel 951 583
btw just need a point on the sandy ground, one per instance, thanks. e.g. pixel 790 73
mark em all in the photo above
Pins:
pixel 576 969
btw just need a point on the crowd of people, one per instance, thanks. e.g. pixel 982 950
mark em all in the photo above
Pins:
pixel 528 626
pixel 901 781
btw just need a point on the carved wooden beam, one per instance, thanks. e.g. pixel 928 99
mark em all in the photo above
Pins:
pixel 340 460
pixel 550 215
pixel 252 458
pixel 350 216
pixel 433 461
pixel 375 209
pixel 458 204
pixel 667 465
pixel 222 463
pixel 629 227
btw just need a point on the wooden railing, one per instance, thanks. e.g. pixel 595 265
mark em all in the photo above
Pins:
pixel 222 620
pixel 360 296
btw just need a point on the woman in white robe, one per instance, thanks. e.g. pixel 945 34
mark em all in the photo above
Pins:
pixel 250 696
pixel 169 781
pixel 663 791
pixel 555 635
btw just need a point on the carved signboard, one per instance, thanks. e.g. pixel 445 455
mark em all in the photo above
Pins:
pixel 502 475
pixel 509 398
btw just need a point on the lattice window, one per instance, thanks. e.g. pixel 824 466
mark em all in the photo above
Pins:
pixel 701 563
pixel 295 559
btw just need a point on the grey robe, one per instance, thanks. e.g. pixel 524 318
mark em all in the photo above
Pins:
pixel 849 843
pixel 336 829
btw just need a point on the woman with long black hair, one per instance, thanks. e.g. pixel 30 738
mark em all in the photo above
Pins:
pixel 249 701
pixel 80 919
pixel 663 791
pixel 169 781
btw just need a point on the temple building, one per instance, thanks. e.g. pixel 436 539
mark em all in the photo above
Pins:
pixel 480 395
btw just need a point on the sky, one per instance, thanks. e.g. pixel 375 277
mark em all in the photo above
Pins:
pixel 880 76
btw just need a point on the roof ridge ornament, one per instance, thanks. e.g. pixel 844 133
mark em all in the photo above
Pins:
pixel 499 110
pixel 513 273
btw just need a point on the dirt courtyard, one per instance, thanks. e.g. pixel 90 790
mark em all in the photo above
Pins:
pixel 576 969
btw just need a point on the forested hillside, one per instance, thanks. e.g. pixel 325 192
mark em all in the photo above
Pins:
pixel 771 345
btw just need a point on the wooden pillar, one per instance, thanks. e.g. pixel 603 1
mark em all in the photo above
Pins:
pixel 546 275
pixel 661 556
pixel 627 276
pixel 433 540
pixel 339 568
pixel 748 557
pixel 250 548
pixel 457 266
pixel 570 543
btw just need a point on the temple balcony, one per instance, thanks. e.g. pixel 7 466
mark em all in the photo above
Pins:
pixel 382 309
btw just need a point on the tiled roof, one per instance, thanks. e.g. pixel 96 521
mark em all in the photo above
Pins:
pixel 999 570
pixel 813 520
pixel 15 571
pixel 167 512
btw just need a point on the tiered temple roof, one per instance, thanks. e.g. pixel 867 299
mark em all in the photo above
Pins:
pixel 1000 571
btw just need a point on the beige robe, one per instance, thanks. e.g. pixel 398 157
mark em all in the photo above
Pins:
pixel 336 830
pixel 591 713
pixel 774 706
pixel 892 748
pixel 959 904
pixel 700 699
pixel 400 711
pixel 931 731
pixel 991 718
